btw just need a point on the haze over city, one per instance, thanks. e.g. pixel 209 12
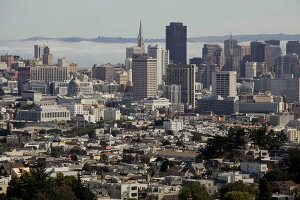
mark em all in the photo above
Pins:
pixel 149 100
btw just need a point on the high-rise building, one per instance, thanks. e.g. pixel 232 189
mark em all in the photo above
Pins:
pixel 49 73
pixel 204 74
pixel 292 92
pixel 293 47
pixel 176 40
pixel 140 42
pixel 39 51
pixel 196 61
pixel 8 59
pixel 161 55
pixel 229 44
pixel 143 77
pixel 257 51
pixel 139 49
pixel 231 53
pixel 213 54
pixel 172 92
pixel 287 66
pixel 105 73
pixel 183 75
pixel 224 83
pixel 272 51
pixel 47 56
pixel 250 70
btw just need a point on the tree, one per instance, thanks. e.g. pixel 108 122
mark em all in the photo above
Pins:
pixel 215 148
pixel 38 185
pixel 294 164
pixel 166 164
pixel 237 195
pixel 87 167
pixel 237 186
pixel 277 175
pixel 195 192
pixel 92 133
pixel 265 192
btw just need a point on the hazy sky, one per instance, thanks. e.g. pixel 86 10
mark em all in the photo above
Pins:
pixel 89 18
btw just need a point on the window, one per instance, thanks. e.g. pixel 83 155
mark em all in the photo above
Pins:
pixel 134 194
pixel 134 188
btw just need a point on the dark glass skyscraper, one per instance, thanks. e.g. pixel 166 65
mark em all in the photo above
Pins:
pixel 258 51
pixel 176 42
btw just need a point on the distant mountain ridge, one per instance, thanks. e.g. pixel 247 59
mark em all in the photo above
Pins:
pixel 207 39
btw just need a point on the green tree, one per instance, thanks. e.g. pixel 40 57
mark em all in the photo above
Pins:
pixel 237 186
pixel 265 192
pixel 237 195
pixel 277 175
pixel 216 147
pixel 195 192
pixel 294 164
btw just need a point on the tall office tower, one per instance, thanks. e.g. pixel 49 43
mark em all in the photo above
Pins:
pixel 293 47
pixel 229 44
pixel 245 57
pixel 23 77
pixel 39 51
pixel 8 59
pixel 292 92
pixel 213 54
pixel 172 92
pixel 250 70
pixel 140 48
pixel 51 73
pixel 162 61
pixel 257 51
pixel 47 56
pixel 183 75
pixel 272 51
pixel 229 47
pixel 176 39
pixel 63 62
pixel 106 73
pixel 143 77
pixel 287 66
pixel 224 83
pixel 204 74
pixel 140 42
pixel 196 61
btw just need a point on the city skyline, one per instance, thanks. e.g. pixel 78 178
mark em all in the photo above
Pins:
pixel 89 19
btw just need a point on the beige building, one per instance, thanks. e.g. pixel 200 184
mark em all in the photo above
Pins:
pixel 144 77
pixel 292 134
pixel 224 83
pixel 49 73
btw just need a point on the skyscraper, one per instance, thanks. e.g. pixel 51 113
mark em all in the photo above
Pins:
pixel 176 39
pixel 140 42
pixel 183 75
pixel 139 48
pixel 213 54
pixel 47 56
pixel 143 77
pixel 293 47
pixel 257 51
pixel 224 83
pixel 39 51
pixel 162 61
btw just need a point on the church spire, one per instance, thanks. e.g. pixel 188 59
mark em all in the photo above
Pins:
pixel 140 42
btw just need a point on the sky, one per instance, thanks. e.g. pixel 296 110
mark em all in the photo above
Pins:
pixel 20 19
